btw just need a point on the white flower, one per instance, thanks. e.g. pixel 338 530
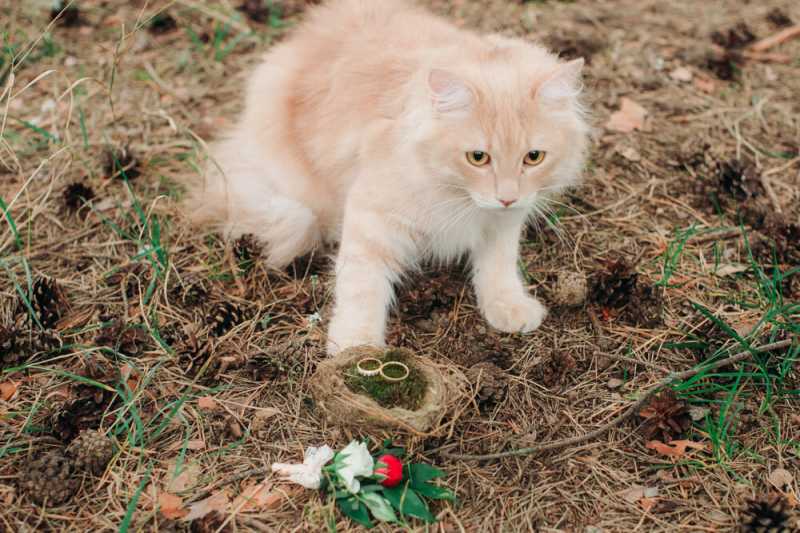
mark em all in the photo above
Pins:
pixel 355 461
pixel 308 474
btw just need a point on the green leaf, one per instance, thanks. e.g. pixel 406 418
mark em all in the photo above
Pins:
pixel 421 473
pixel 435 492
pixel 408 503
pixel 355 510
pixel 379 507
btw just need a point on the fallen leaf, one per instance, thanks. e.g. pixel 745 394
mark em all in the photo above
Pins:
pixel 647 503
pixel 681 74
pixel 780 478
pixel 706 85
pixel 629 117
pixel 216 502
pixel 171 506
pixel 207 402
pixel 631 154
pixel 75 319
pixel 196 444
pixel 259 497
pixel 633 494
pixel 675 448
pixel 697 413
pixel 186 479
pixel 638 492
pixel 729 270
pixel 614 383
pixel 8 389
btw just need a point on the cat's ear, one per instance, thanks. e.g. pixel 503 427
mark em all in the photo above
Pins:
pixel 563 84
pixel 448 92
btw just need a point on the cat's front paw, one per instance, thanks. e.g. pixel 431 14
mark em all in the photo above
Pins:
pixel 343 335
pixel 515 315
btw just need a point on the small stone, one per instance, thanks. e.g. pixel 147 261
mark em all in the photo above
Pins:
pixel 614 383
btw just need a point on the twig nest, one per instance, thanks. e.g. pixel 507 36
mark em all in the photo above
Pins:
pixel 571 288
pixel 417 404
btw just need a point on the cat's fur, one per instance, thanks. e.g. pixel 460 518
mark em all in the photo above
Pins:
pixel 356 130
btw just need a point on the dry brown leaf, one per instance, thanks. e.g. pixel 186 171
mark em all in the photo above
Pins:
pixel 706 85
pixel 75 319
pixel 648 503
pixel 675 448
pixel 780 478
pixel 630 117
pixel 196 444
pixel 8 389
pixel 681 74
pixel 207 403
pixel 216 502
pixel 260 497
pixel 171 506
pixel 187 478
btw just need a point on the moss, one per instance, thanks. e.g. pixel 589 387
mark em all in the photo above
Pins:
pixel 407 394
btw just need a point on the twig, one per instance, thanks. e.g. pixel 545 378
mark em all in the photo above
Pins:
pixel 775 40
pixel 632 410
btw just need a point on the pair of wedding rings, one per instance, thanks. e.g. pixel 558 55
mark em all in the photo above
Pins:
pixel 369 366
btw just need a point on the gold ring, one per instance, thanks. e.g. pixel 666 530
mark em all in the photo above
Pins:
pixel 369 371
pixel 390 364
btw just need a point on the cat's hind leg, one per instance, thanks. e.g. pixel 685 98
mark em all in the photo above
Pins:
pixel 241 200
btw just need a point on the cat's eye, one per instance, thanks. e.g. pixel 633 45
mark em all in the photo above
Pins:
pixel 478 158
pixel 534 157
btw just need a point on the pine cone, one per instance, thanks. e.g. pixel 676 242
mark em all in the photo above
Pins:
pixel 489 382
pixel 49 479
pixel 646 307
pixel 18 348
pixel 86 412
pixel 76 194
pixel 770 514
pixel 162 23
pixel 129 277
pixel 224 317
pixel 736 37
pixel 128 340
pixel 247 249
pixel 738 179
pixel 210 523
pixel 665 417
pixel 190 291
pixel 90 452
pixel 48 301
pixel 783 239
pixel 265 367
pixel 9 354
pixel 225 427
pixel 614 287
pixel 557 369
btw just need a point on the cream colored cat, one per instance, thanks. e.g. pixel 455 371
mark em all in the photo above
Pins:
pixel 406 139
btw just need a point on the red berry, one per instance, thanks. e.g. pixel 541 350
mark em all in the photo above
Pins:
pixel 391 468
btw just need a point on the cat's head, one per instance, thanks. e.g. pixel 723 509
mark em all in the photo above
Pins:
pixel 506 131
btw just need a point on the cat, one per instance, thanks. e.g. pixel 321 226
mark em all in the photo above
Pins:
pixel 407 140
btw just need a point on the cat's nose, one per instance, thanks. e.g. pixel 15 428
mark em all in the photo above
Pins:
pixel 506 203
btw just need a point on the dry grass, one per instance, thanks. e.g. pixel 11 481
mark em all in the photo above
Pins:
pixel 130 259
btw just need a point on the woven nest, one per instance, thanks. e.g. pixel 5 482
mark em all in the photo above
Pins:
pixel 446 388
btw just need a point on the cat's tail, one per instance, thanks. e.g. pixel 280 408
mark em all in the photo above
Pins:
pixel 234 199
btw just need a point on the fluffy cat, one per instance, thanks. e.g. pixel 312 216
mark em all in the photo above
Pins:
pixel 407 140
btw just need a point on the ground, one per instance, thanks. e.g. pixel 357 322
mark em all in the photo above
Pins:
pixel 117 315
